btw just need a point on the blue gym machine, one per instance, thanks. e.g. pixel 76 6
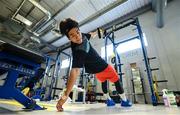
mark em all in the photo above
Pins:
pixel 49 78
pixel 49 81
pixel 57 70
pixel 109 35
pixel 17 61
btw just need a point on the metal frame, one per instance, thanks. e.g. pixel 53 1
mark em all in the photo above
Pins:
pixel 57 69
pixel 134 22
pixel 8 88
pixel 117 56
pixel 48 74
pixel 54 74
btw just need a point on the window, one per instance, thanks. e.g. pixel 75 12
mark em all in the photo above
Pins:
pixel 124 47
pixel 65 63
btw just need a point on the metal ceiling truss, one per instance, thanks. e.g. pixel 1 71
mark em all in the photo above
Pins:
pixel 114 22
pixel 91 18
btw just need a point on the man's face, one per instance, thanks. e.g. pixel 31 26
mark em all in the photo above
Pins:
pixel 75 35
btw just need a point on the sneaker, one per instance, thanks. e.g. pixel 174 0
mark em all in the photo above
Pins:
pixel 126 103
pixel 110 103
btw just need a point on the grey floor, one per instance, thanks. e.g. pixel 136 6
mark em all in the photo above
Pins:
pixel 99 108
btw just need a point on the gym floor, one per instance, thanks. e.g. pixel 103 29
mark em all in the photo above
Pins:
pixel 12 107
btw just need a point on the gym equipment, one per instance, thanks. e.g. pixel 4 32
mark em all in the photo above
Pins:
pixel 90 87
pixel 17 60
pixel 116 59
pixel 177 98
pixel 169 98
pixel 48 79
pixel 137 84
pixel 31 81
pixel 110 35
pixel 155 85
pixel 156 82
pixel 57 72
pixel 26 91
pixel 100 32
pixel 77 90
pixel 51 74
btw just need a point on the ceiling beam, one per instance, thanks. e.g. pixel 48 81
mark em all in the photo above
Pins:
pixel 50 27
pixel 101 12
pixel 128 16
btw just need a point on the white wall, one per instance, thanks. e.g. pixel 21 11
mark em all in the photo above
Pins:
pixel 164 42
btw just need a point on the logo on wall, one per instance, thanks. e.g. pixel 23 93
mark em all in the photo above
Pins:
pixel 131 54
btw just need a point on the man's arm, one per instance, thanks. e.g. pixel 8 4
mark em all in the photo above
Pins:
pixel 95 33
pixel 70 83
pixel 91 34
pixel 71 80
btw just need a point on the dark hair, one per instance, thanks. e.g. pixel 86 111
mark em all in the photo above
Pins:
pixel 66 25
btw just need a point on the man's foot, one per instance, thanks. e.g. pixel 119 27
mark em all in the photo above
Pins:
pixel 110 103
pixel 126 103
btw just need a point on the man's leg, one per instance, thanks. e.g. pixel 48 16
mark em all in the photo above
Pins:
pixel 105 91
pixel 109 101
pixel 120 90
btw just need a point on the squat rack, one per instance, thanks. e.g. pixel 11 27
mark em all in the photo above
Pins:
pixel 52 72
pixel 109 35
pixel 57 70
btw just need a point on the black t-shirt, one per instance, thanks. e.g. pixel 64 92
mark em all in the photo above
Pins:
pixel 84 55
